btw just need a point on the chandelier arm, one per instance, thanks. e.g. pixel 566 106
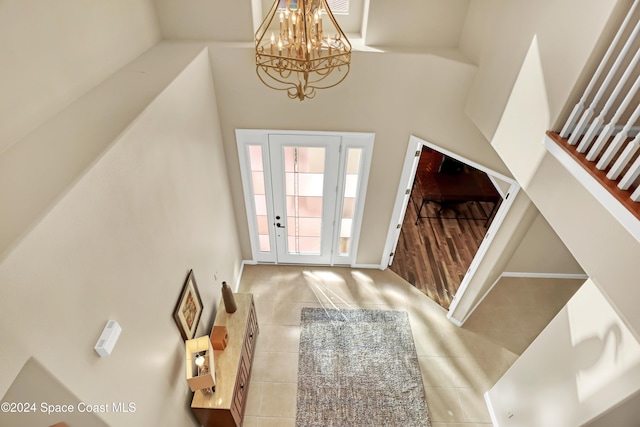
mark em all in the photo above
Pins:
pixel 284 82
pixel 344 76
pixel 318 62
pixel 263 28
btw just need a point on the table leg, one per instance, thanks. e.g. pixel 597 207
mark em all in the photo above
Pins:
pixel 420 212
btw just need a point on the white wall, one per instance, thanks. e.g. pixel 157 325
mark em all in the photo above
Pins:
pixel 582 364
pixel 52 52
pixel 119 246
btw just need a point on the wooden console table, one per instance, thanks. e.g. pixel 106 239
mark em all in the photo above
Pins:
pixel 225 406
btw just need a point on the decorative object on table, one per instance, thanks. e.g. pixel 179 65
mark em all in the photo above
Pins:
pixel 363 356
pixel 229 301
pixel 219 337
pixel 189 308
pixel 201 374
pixel 295 53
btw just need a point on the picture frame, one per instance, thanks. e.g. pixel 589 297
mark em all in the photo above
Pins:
pixel 189 308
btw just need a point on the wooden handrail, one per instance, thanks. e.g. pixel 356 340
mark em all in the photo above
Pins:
pixel 623 196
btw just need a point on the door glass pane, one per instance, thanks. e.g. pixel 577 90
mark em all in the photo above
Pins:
pixel 307 227
pixel 259 198
pixel 257 178
pixel 304 245
pixel 263 225
pixel 304 206
pixel 304 182
pixel 348 207
pixel 352 172
pixel 255 157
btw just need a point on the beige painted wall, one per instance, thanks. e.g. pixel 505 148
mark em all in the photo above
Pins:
pixel 542 251
pixel 518 138
pixel 37 170
pixel 626 414
pixel 35 385
pixel 439 25
pixel 604 249
pixel 506 240
pixel 477 28
pixel 567 31
pixel 54 52
pixel 582 364
pixel 580 221
pixel 119 246
pixel 205 20
pixel 427 100
pixel 598 243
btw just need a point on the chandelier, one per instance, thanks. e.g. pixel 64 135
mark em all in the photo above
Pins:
pixel 294 52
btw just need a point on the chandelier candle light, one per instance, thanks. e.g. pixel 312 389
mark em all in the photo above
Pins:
pixel 294 52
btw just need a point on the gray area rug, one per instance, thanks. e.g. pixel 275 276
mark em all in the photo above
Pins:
pixel 359 368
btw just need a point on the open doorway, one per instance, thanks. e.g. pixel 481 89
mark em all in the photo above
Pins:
pixel 447 212
pixel 451 207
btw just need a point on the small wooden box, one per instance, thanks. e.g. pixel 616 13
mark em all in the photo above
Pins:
pixel 219 337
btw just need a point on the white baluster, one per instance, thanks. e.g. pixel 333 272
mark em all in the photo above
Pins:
pixel 623 160
pixel 582 124
pixel 593 129
pixel 599 121
pixel 631 175
pixel 610 127
pixel 635 196
pixel 586 116
pixel 617 142
pixel 579 107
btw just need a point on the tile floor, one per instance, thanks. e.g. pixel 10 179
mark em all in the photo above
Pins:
pixel 458 365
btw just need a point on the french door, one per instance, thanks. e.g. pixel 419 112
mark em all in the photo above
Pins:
pixel 304 194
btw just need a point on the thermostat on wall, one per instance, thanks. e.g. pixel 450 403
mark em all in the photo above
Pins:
pixel 108 338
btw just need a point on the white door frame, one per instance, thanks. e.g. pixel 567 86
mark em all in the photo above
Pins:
pixel 406 183
pixel 260 137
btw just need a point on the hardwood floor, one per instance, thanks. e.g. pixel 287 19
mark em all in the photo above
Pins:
pixel 434 254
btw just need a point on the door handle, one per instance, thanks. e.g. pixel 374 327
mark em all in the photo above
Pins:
pixel 278 225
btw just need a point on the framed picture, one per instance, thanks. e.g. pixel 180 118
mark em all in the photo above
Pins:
pixel 189 308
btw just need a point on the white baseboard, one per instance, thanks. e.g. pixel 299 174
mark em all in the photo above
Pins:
pixel 492 413
pixel 455 321
pixel 576 276
pixel 376 266
pixel 242 264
